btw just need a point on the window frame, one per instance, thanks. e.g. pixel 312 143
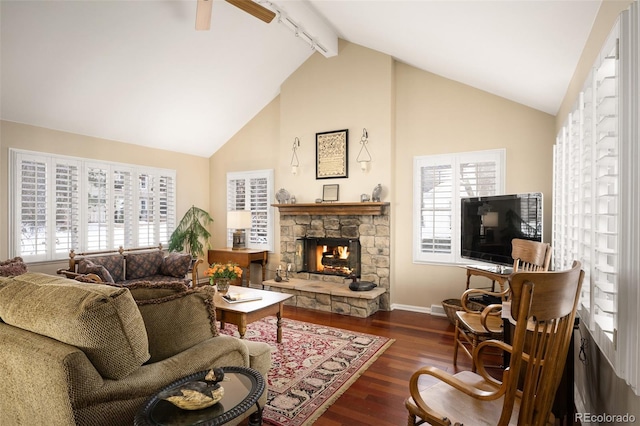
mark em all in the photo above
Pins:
pixel 247 176
pixel 80 235
pixel 454 160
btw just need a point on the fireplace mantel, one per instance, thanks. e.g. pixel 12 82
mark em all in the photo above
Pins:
pixel 338 209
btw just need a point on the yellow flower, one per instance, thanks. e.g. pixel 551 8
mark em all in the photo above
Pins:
pixel 223 270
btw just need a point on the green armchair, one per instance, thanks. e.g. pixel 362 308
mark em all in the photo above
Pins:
pixel 78 353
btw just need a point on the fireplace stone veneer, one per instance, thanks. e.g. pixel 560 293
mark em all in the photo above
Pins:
pixel 373 231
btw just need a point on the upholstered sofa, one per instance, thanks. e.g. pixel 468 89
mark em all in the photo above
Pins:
pixel 129 266
pixel 92 354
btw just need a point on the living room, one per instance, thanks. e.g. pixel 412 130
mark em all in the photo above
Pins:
pixel 407 112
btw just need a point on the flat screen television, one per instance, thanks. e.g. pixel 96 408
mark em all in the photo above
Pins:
pixel 490 223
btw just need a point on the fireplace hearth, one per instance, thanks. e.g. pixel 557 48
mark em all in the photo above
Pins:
pixel 329 256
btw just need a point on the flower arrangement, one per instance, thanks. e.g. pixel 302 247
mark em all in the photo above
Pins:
pixel 227 270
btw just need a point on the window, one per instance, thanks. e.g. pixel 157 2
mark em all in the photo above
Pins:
pixel 253 191
pixel 586 181
pixel 62 203
pixel 439 183
pixel 596 198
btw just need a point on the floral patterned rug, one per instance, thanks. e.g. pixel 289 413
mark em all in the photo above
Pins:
pixel 312 366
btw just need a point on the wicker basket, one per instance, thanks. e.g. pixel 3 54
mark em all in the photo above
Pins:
pixel 452 305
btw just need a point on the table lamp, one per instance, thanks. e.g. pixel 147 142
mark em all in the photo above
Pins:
pixel 239 220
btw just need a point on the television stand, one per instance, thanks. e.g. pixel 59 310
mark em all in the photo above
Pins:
pixel 491 272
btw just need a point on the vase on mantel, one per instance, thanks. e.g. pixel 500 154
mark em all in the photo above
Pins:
pixel 222 284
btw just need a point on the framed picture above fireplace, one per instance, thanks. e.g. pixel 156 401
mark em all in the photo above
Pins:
pixel 332 154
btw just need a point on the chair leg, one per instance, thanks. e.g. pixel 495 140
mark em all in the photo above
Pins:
pixel 474 345
pixel 411 421
pixel 456 342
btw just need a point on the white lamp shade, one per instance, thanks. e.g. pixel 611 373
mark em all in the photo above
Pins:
pixel 238 219
pixel 490 219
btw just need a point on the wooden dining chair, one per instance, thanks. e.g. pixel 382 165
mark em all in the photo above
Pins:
pixel 472 326
pixel 543 305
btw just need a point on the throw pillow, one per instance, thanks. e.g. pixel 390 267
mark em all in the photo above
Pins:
pixel 176 265
pixel 88 267
pixel 12 267
pixel 113 263
pixel 140 265
pixel 175 318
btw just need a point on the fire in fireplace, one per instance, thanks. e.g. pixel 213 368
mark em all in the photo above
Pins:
pixel 329 256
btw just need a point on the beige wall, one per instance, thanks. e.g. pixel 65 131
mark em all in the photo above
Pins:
pixel 254 147
pixel 192 173
pixel 606 18
pixel 599 389
pixel 407 113
pixel 438 116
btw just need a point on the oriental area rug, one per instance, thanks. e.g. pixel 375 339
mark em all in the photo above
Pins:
pixel 312 366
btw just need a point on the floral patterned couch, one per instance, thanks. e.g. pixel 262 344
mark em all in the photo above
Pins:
pixel 125 267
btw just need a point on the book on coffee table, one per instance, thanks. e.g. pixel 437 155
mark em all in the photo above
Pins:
pixel 241 297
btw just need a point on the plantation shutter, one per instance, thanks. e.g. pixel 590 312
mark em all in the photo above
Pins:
pixel 147 210
pixel 167 210
pixel 97 231
pixel 440 182
pixel 123 211
pixel 253 191
pixel 60 203
pixel 436 210
pixel 259 203
pixel 587 189
pixel 45 199
pixel 67 217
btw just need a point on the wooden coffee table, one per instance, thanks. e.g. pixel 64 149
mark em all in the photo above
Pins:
pixel 245 312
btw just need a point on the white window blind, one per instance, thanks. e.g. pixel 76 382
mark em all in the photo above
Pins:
pixel 596 197
pixel 439 183
pixel 61 203
pixel 586 194
pixel 253 190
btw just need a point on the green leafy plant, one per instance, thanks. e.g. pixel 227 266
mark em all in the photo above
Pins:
pixel 191 232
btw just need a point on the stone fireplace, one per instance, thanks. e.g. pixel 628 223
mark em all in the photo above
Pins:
pixel 323 227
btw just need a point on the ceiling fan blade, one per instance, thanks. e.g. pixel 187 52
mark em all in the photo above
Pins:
pixel 203 15
pixel 254 9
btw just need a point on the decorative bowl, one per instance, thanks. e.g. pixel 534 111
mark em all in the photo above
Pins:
pixel 196 395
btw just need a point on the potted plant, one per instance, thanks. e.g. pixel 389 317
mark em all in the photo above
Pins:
pixel 191 232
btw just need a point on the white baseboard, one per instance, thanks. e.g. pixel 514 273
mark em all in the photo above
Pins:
pixel 410 308
pixel 438 311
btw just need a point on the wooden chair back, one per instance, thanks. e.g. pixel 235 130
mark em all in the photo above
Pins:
pixel 530 255
pixel 543 304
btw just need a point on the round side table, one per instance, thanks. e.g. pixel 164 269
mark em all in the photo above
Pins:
pixel 242 388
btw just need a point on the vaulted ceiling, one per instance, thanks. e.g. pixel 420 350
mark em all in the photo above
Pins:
pixel 138 72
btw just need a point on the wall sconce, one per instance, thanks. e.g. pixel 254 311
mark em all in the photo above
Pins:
pixel 364 158
pixel 239 220
pixel 294 158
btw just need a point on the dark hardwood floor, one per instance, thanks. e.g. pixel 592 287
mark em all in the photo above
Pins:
pixel 377 397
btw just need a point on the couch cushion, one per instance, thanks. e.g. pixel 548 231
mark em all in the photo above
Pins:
pixel 176 264
pixel 141 265
pixel 113 263
pixel 176 318
pixel 101 320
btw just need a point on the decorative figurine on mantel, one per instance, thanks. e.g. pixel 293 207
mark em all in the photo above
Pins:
pixel 375 195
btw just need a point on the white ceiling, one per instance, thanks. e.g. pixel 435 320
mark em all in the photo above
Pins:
pixel 138 72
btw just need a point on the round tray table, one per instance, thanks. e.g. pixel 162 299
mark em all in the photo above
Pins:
pixel 242 389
